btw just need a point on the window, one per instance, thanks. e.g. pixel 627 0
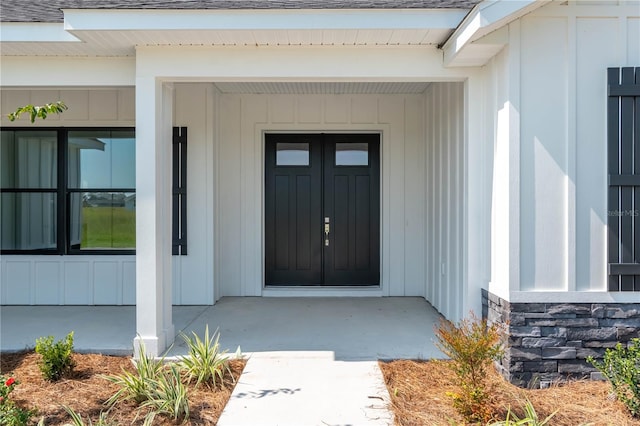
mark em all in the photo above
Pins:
pixel 292 154
pixel 29 183
pixel 68 191
pixel 352 154
pixel 101 182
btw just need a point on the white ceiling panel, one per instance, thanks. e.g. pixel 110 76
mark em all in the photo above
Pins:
pixel 319 88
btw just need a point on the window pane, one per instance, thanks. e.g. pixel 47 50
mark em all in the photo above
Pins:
pixel 28 159
pixel 102 159
pixel 102 220
pixel 28 221
pixel 352 154
pixel 292 154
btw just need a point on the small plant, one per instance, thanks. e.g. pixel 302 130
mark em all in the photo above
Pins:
pixel 530 417
pixel 621 366
pixel 38 111
pixel 76 419
pixel 56 357
pixel 167 396
pixel 10 414
pixel 136 386
pixel 472 345
pixel 206 363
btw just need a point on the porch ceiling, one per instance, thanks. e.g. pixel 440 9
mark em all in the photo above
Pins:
pixel 318 88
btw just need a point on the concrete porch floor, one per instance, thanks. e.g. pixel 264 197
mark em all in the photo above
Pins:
pixel 351 328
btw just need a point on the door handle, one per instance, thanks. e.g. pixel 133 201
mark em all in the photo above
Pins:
pixel 326 231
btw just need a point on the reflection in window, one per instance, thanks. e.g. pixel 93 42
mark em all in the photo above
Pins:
pixel 103 220
pixel 352 154
pixel 28 178
pixel 102 159
pixel 28 159
pixel 28 221
pixel 292 154
pixel 93 208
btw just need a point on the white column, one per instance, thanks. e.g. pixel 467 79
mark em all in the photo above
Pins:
pixel 154 325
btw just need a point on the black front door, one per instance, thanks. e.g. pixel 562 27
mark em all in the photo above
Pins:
pixel 322 209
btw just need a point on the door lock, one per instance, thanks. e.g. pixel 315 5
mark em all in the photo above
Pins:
pixel 326 231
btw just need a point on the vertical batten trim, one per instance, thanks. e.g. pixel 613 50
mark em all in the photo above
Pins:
pixel 571 177
pixel 515 77
pixel 209 144
pixel 215 184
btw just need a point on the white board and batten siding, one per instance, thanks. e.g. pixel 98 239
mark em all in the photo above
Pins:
pixel 242 121
pixel 225 184
pixel 444 198
pixel 549 113
pixel 70 280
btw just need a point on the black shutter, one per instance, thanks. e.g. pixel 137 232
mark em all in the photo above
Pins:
pixel 179 243
pixel 623 133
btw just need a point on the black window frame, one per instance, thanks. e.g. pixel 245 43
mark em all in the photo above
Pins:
pixel 63 193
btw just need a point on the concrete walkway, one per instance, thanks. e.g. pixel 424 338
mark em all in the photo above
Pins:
pixel 307 389
pixel 311 361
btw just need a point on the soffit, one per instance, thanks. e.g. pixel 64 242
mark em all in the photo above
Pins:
pixel 120 32
pixel 124 43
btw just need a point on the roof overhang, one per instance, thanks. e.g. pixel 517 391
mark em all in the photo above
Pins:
pixel 109 32
pixel 477 38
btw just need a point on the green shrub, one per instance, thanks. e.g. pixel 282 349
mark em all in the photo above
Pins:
pixel 154 385
pixel 472 345
pixel 10 414
pixel 621 366
pixel 78 421
pixel 56 359
pixel 206 363
pixel 136 386
pixel 530 417
pixel 167 396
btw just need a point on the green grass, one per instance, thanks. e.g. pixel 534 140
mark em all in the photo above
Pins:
pixel 108 227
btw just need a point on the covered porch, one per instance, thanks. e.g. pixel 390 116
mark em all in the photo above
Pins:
pixel 229 96
pixel 351 328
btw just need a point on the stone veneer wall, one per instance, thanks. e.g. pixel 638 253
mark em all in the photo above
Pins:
pixel 548 342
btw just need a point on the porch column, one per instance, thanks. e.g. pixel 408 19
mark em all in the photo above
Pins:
pixel 154 324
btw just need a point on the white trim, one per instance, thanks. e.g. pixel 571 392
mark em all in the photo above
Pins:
pixel 35 32
pixel 211 195
pixel 347 291
pixel 484 18
pixel 514 104
pixel 573 297
pixel 296 63
pixel 154 112
pixel 288 19
pixel 38 71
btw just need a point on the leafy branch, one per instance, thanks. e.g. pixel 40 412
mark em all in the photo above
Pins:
pixel 38 111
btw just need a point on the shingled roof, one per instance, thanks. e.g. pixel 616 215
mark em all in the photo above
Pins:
pixel 50 10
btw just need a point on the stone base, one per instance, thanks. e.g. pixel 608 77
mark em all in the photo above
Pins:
pixel 550 342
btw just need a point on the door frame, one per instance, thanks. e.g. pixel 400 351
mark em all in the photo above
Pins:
pixel 329 291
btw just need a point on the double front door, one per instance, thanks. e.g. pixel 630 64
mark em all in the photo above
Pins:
pixel 322 209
